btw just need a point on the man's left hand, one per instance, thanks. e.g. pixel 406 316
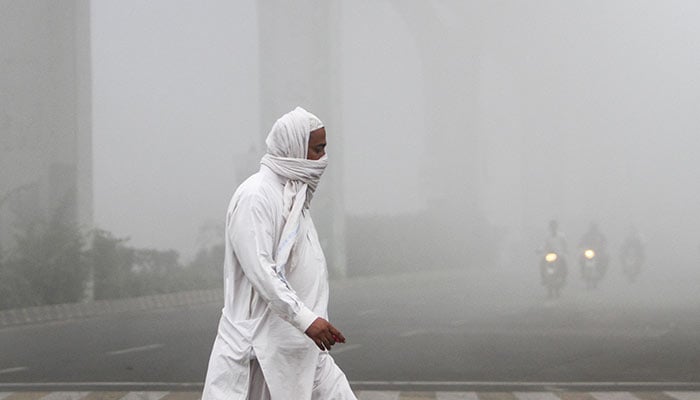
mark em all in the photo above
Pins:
pixel 324 334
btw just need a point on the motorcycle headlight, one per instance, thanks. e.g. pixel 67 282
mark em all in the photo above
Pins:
pixel 551 257
pixel 589 254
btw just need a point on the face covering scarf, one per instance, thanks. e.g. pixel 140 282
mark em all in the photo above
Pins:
pixel 287 146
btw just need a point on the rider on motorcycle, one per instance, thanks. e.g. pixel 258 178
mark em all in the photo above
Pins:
pixel 555 243
pixel 632 253
pixel 595 240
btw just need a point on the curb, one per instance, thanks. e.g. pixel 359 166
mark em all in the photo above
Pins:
pixel 59 312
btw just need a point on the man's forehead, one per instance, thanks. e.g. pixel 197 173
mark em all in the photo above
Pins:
pixel 317 135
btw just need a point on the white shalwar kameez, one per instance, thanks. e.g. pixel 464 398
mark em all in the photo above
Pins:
pixel 272 294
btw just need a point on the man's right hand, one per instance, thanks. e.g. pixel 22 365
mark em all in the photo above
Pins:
pixel 324 334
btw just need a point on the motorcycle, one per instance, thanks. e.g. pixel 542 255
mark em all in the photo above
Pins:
pixel 593 266
pixel 553 270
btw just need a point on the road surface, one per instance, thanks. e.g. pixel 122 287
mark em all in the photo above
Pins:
pixel 465 329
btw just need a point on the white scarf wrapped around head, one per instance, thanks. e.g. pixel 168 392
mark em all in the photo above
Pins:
pixel 287 147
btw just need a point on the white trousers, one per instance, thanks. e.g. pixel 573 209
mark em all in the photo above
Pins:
pixel 330 382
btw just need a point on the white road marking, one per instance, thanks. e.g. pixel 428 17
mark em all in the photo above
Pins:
pixel 535 396
pixel 614 396
pixel 135 349
pixel 685 395
pixel 4 394
pixel 144 396
pixel 457 396
pixel 65 396
pixel 438 384
pixel 344 348
pixel 11 370
pixel 370 395
pixel 412 333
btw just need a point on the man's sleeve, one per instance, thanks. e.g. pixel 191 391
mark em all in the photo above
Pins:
pixel 251 229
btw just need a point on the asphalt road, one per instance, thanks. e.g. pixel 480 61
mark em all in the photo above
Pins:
pixel 450 329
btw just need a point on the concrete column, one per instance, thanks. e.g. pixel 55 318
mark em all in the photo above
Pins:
pixel 299 66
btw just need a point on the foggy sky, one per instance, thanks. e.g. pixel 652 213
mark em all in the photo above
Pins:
pixel 583 111
pixel 174 103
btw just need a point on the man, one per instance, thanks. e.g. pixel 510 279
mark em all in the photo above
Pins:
pixel 632 254
pixel 274 336
pixel 555 243
pixel 595 240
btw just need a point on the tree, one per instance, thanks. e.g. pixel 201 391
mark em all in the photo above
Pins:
pixel 14 288
pixel 206 270
pixel 47 265
pixel 112 264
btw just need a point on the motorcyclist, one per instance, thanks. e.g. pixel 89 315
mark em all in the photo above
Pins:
pixel 555 243
pixel 632 253
pixel 595 240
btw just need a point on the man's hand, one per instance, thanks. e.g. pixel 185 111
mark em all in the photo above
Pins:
pixel 324 334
